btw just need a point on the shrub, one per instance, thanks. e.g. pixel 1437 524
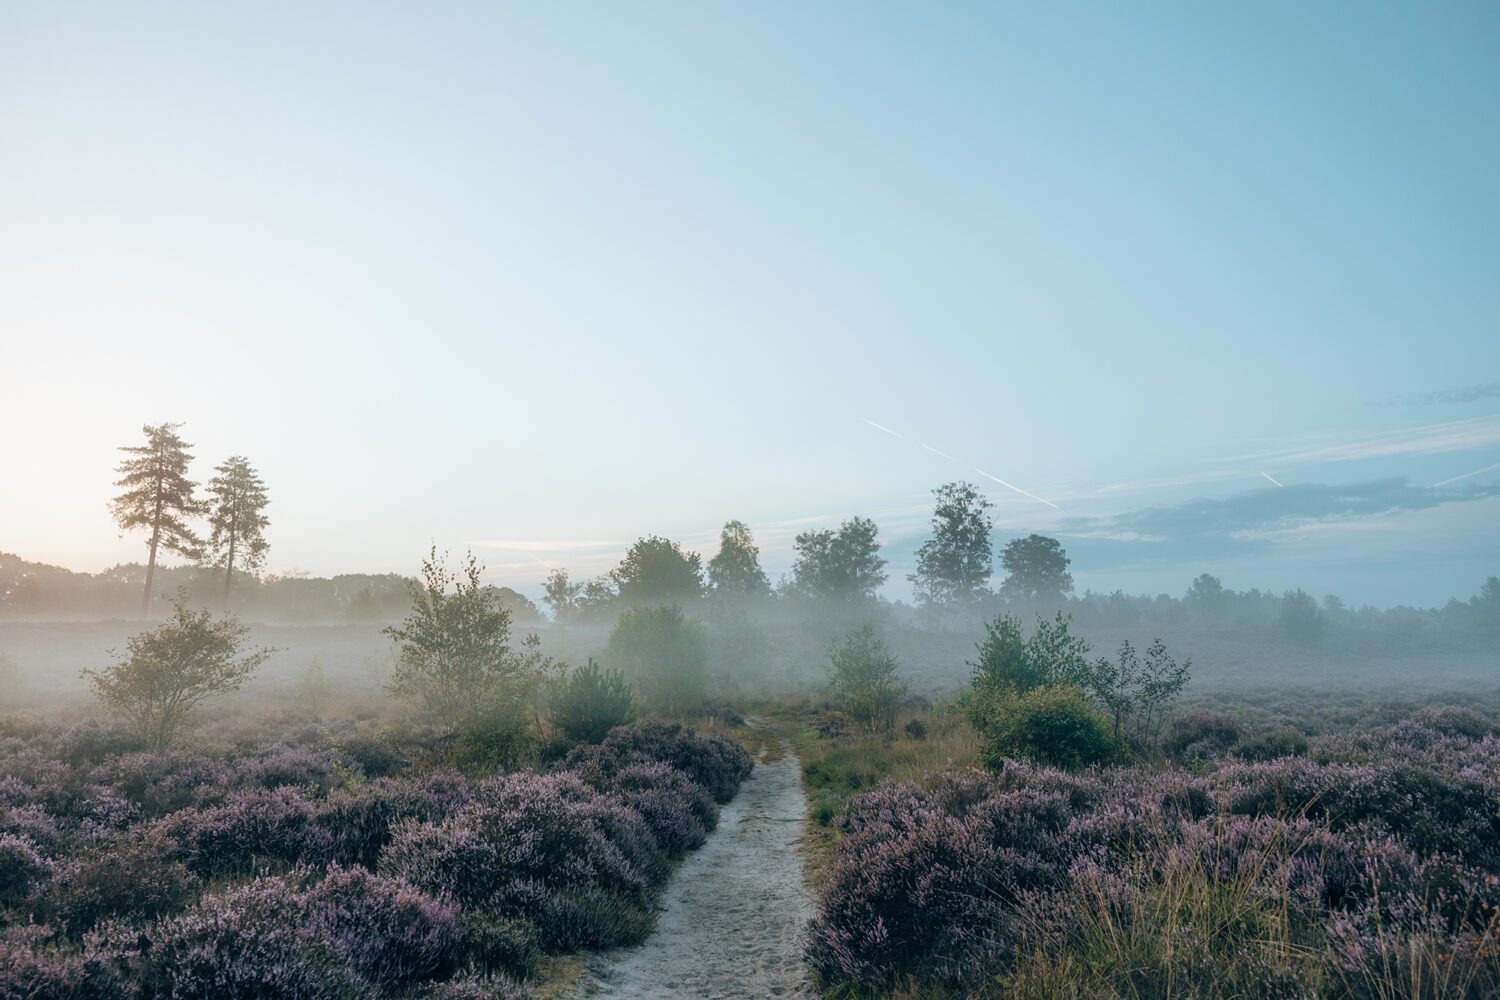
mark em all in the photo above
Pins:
pixel 545 848
pixel 476 988
pixel 1271 745
pixel 247 943
pixel 717 763
pixel 1052 724
pixel 916 729
pixel 591 703
pixel 31 969
pixel 90 742
pixel 864 679
pixel 129 877
pixel 376 757
pixel 510 946
pixel 385 929
pixel 679 811
pixel 280 765
pixel 358 820
pixel 250 829
pixel 162 783
pixel 23 869
pixel 1201 735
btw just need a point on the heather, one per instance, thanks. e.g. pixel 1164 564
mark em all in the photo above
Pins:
pixel 280 867
pixel 1282 850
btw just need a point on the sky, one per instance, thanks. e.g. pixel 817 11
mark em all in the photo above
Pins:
pixel 1214 284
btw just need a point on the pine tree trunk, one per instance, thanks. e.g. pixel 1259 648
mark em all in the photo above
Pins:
pixel 155 540
pixel 229 563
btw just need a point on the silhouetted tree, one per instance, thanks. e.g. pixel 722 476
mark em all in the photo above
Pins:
pixel 560 594
pixel 1207 595
pixel 158 496
pixel 170 669
pixel 1037 569
pixel 1299 615
pixel 656 571
pixel 954 565
pixel 734 575
pixel 236 519
pixel 839 567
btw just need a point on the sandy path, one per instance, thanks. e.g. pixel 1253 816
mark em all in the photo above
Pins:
pixel 735 912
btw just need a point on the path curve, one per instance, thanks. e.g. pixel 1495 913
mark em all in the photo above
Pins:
pixel 735 912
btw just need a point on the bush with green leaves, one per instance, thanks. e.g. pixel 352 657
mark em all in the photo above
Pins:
pixel 1053 724
pixel 664 654
pixel 864 679
pixel 166 671
pixel 592 702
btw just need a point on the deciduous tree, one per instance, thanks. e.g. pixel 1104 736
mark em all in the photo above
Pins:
pixel 954 565
pixel 1037 571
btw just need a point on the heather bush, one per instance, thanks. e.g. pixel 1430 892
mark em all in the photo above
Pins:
pixel 23 869
pixel 1201 735
pixel 253 828
pixel 358 820
pixel 679 811
pixel 31 968
pixel 282 765
pixel 546 848
pixel 717 763
pixel 162 783
pixel 248 943
pixel 1272 745
pixel 90 742
pixel 510 946
pixel 477 988
pixel 128 877
pixel 388 932
pixel 376 756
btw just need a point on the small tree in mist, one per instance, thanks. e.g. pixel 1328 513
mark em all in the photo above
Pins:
pixel 839 568
pixel 592 702
pixel 1136 692
pixel 656 571
pixel 1207 595
pixel 664 654
pixel 734 574
pixel 560 594
pixel 158 497
pixel 168 670
pixel 455 657
pixel 864 679
pixel 236 519
pixel 1037 571
pixel 954 565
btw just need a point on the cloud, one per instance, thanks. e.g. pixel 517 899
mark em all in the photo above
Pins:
pixel 1465 394
pixel 1253 520
pixel 1454 435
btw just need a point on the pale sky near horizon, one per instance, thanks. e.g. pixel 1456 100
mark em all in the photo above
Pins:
pixel 540 279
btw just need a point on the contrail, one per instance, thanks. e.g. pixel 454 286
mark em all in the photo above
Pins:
pixel 1466 475
pixel 1274 479
pixel 955 461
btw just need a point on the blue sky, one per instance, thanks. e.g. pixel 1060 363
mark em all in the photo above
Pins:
pixel 544 278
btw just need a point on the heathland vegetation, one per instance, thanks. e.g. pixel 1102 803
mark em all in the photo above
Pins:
pixel 1014 790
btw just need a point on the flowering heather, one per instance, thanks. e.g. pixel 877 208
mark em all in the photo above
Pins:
pixel 717 763
pixel 545 847
pixel 250 830
pixel 1370 858
pixel 390 933
pixel 23 869
pixel 358 820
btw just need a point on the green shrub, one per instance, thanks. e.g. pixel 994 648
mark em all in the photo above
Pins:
pixel 864 680
pixel 1052 724
pixel 591 703
pixel 664 654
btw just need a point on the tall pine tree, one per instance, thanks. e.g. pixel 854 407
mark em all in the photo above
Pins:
pixel 236 519
pixel 158 497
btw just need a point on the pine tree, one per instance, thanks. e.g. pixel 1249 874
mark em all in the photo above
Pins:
pixel 236 519
pixel 158 497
